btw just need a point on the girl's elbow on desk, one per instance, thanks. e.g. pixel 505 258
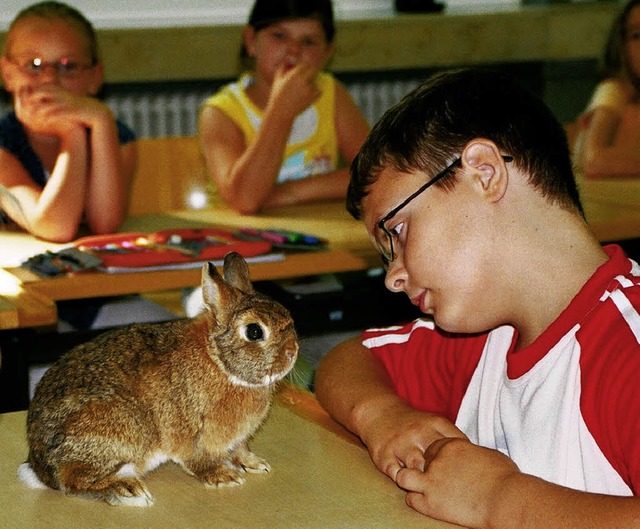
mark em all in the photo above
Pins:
pixel 242 200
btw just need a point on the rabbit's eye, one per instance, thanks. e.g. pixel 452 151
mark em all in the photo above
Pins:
pixel 254 332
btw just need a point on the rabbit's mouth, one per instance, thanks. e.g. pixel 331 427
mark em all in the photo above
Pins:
pixel 260 377
pixel 267 380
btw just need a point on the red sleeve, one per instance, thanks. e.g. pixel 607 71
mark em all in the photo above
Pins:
pixel 610 398
pixel 430 369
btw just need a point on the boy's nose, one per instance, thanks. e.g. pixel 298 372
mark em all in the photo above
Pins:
pixel 395 279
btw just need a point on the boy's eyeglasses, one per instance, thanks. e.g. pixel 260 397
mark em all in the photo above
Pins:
pixel 64 66
pixel 385 243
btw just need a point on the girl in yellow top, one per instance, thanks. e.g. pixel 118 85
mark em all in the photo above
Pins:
pixel 277 135
pixel 608 141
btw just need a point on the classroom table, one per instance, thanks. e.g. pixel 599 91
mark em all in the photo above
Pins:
pixel 612 207
pixel 27 300
pixel 320 478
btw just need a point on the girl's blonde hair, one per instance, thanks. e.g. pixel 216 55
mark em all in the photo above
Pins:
pixel 58 11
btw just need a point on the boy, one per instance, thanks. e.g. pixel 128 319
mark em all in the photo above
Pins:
pixel 516 404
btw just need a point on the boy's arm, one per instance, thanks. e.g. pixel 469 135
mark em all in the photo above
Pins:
pixel 356 390
pixel 478 487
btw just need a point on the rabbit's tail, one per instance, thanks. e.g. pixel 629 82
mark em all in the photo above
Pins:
pixel 27 476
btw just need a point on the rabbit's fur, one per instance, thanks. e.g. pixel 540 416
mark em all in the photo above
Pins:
pixel 192 391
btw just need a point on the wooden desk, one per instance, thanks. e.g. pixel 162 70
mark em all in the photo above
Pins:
pixel 28 300
pixel 318 480
pixel 612 207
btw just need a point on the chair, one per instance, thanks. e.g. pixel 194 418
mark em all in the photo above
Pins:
pixel 171 175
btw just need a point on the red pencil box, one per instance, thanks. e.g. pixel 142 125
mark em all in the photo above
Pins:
pixel 137 249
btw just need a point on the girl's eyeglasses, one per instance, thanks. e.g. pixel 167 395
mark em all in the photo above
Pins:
pixel 64 66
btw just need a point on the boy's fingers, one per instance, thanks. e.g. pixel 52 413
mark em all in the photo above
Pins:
pixel 409 479
pixel 434 449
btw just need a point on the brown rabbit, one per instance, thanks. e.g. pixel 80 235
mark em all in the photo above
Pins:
pixel 192 391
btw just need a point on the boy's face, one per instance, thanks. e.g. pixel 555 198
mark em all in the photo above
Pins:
pixel 39 53
pixel 442 243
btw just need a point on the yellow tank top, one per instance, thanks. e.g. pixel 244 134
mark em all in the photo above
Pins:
pixel 312 147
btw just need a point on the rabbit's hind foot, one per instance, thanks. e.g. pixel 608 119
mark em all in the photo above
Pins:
pixel 115 489
pixel 128 492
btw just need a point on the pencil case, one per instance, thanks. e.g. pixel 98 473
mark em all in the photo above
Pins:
pixel 138 249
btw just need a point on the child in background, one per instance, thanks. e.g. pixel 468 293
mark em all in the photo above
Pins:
pixel 608 139
pixel 515 402
pixel 275 137
pixel 64 159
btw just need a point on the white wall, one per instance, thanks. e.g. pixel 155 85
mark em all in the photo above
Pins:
pixel 157 13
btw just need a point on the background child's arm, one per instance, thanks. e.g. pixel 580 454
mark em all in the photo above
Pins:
pixel 478 487
pixel 52 213
pixel 245 175
pixel 352 129
pixel 611 144
pixel 111 169
pixel 356 390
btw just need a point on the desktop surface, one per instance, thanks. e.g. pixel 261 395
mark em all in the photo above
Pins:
pixel 318 480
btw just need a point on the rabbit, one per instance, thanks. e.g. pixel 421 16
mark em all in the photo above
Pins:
pixel 192 391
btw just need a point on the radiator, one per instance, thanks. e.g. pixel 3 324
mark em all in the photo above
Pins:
pixel 174 111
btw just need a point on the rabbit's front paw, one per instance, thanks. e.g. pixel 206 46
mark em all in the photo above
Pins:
pixel 221 476
pixel 249 462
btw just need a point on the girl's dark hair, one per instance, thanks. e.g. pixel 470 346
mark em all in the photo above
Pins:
pixel 60 11
pixel 431 126
pixel 615 61
pixel 267 12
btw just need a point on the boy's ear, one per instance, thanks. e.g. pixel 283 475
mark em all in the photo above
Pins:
pixel 249 40
pixel 488 169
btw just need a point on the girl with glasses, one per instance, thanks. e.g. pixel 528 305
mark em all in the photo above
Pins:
pixel 64 159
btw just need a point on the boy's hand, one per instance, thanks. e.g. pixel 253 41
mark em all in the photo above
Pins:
pixel 294 88
pixel 397 437
pixel 460 483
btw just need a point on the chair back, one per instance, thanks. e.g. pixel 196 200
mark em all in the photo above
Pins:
pixel 170 175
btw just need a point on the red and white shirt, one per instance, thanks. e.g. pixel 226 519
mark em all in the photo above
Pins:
pixel 566 408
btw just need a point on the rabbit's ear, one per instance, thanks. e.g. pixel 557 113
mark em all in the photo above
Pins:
pixel 236 272
pixel 215 292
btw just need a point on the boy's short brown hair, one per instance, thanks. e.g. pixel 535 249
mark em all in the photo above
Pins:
pixel 430 127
